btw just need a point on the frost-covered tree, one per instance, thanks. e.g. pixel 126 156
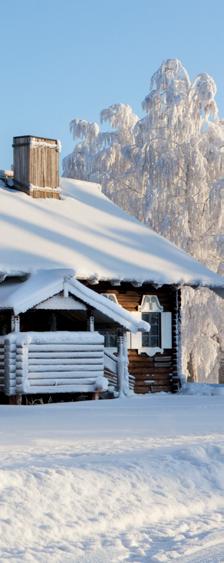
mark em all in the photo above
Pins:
pixel 168 169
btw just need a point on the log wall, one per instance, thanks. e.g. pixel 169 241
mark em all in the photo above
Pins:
pixel 57 362
pixel 160 372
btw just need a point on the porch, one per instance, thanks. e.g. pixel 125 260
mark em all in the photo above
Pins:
pixel 54 340
pixel 34 363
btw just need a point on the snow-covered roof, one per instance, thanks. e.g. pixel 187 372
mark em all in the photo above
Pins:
pixel 88 233
pixel 24 295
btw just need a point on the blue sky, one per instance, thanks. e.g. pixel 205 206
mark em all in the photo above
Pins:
pixel 71 58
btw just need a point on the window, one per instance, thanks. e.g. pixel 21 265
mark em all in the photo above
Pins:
pixel 110 335
pixel 151 311
pixel 160 336
pixel 110 338
pixel 153 338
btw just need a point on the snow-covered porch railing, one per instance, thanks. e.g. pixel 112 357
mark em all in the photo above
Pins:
pixel 54 362
pixel 111 371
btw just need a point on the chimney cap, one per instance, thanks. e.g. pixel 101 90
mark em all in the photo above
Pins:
pixel 34 137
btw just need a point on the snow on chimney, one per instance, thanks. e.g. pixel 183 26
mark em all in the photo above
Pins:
pixel 36 166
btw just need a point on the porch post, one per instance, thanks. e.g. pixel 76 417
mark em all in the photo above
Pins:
pixel 90 321
pixel 123 375
pixel 15 327
pixel 15 323
pixel 53 322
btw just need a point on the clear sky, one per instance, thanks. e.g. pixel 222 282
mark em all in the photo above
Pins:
pixel 61 59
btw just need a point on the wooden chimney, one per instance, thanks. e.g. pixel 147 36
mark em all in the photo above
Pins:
pixel 36 166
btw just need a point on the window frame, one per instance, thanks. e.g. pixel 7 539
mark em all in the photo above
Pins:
pixel 150 304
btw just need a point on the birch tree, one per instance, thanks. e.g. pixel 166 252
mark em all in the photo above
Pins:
pixel 167 168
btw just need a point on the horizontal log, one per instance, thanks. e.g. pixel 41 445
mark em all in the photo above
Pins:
pixel 162 361
pixel 139 364
pixel 152 384
pixel 52 365
pixel 145 371
pixel 162 358
pixel 64 375
pixel 94 346
pixel 61 368
pixel 150 367
pixel 61 354
pixel 51 389
pixel 142 391
pixel 162 385
pixel 67 355
pixel 144 376
pixel 161 389
pixel 64 361
pixel 64 381
pixel 141 384
pixel 163 364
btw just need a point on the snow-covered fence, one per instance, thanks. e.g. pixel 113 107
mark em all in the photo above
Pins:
pixel 54 362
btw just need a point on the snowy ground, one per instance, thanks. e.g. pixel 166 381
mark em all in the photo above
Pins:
pixel 137 480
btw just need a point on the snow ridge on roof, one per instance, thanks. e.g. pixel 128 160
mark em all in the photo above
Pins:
pixel 87 233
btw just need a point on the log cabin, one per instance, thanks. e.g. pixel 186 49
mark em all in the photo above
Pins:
pixel 90 298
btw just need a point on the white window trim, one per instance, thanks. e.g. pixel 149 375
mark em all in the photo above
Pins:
pixel 154 308
pixel 155 304
pixel 150 351
pixel 166 331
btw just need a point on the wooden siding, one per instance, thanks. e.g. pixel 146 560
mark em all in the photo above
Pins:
pixel 160 372
pixel 36 164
